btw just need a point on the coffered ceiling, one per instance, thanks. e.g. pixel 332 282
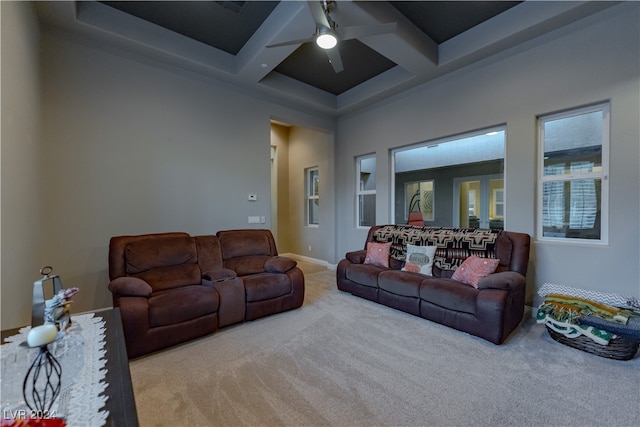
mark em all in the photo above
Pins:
pixel 228 40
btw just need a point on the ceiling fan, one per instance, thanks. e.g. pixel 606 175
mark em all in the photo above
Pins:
pixel 328 33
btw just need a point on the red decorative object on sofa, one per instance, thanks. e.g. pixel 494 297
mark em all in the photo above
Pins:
pixel 415 218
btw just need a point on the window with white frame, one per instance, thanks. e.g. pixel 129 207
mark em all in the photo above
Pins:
pixel 573 172
pixel 312 196
pixel 366 193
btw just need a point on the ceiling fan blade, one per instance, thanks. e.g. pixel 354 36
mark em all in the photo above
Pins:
pixel 356 32
pixel 292 42
pixel 318 14
pixel 335 59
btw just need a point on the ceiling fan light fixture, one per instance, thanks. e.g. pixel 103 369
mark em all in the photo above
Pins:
pixel 326 39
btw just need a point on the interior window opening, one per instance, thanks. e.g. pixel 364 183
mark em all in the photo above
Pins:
pixel 452 182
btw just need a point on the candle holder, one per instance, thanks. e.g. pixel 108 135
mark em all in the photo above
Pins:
pixel 50 319
pixel 41 385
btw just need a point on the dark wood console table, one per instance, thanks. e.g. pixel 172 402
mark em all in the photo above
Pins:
pixel 120 403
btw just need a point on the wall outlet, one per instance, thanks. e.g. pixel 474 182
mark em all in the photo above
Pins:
pixel 309 248
pixel 253 197
pixel 254 220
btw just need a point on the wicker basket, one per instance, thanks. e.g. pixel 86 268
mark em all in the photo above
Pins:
pixel 620 348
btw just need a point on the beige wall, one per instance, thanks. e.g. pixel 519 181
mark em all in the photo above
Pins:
pixel 280 187
pixel 22 228
pixel 300 148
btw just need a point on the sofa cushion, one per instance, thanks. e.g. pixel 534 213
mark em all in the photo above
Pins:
pixel 504 248
pixel 504 280
pixel 209 252
pixel 264 286
pixel 219 275
pixel 246 265
pixel 181 304
pixel 378 254
pixel 279 264
pixel 402 283
pixel 356 257
pixel 449 294
pixel 419 259
pixel 439 272
pixel 118 246
pixel 364 274
pixel 473 269
pixel 130 287
pixel 241 243
pixel 147 254
pixel 171 277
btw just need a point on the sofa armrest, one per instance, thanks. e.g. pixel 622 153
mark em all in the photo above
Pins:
pixel 356 257
pixel 279 264
pixel 129 287
pixel 505 280
pixel 219 275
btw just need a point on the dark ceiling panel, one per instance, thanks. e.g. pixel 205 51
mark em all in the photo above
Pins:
pixel 228 25
pixel 443 20
pixel 310 65
pixel 225 25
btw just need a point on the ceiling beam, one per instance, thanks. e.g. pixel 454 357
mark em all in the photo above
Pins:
pixel 408 47
pixel 516 25
pixel 288 21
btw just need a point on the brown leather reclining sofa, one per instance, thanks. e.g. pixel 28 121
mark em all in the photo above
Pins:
pixel 491 311
pixel 173 287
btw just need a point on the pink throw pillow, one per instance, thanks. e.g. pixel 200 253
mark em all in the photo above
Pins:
pixel 475 268
pixel 378 254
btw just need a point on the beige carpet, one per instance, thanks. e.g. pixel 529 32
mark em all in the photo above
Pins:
pixel 344 361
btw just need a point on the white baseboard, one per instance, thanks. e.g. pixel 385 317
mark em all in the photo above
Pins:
pixel 311 260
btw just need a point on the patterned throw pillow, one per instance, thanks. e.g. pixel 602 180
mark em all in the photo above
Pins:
pixel 378 254
pixel 420 259
pixel 475 268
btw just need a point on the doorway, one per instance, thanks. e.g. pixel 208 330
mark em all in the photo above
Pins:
pixel 296 150
pixel 274 192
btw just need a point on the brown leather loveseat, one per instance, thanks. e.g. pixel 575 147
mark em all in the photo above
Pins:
pixel 173 287
pixel 491 309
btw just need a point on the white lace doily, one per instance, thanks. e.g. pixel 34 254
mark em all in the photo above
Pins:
pixel 81 353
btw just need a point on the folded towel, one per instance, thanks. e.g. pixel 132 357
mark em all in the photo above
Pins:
pixel 585 306
pixel 614 300
pixel 571 330
pixel 575 316
pixel 630 330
